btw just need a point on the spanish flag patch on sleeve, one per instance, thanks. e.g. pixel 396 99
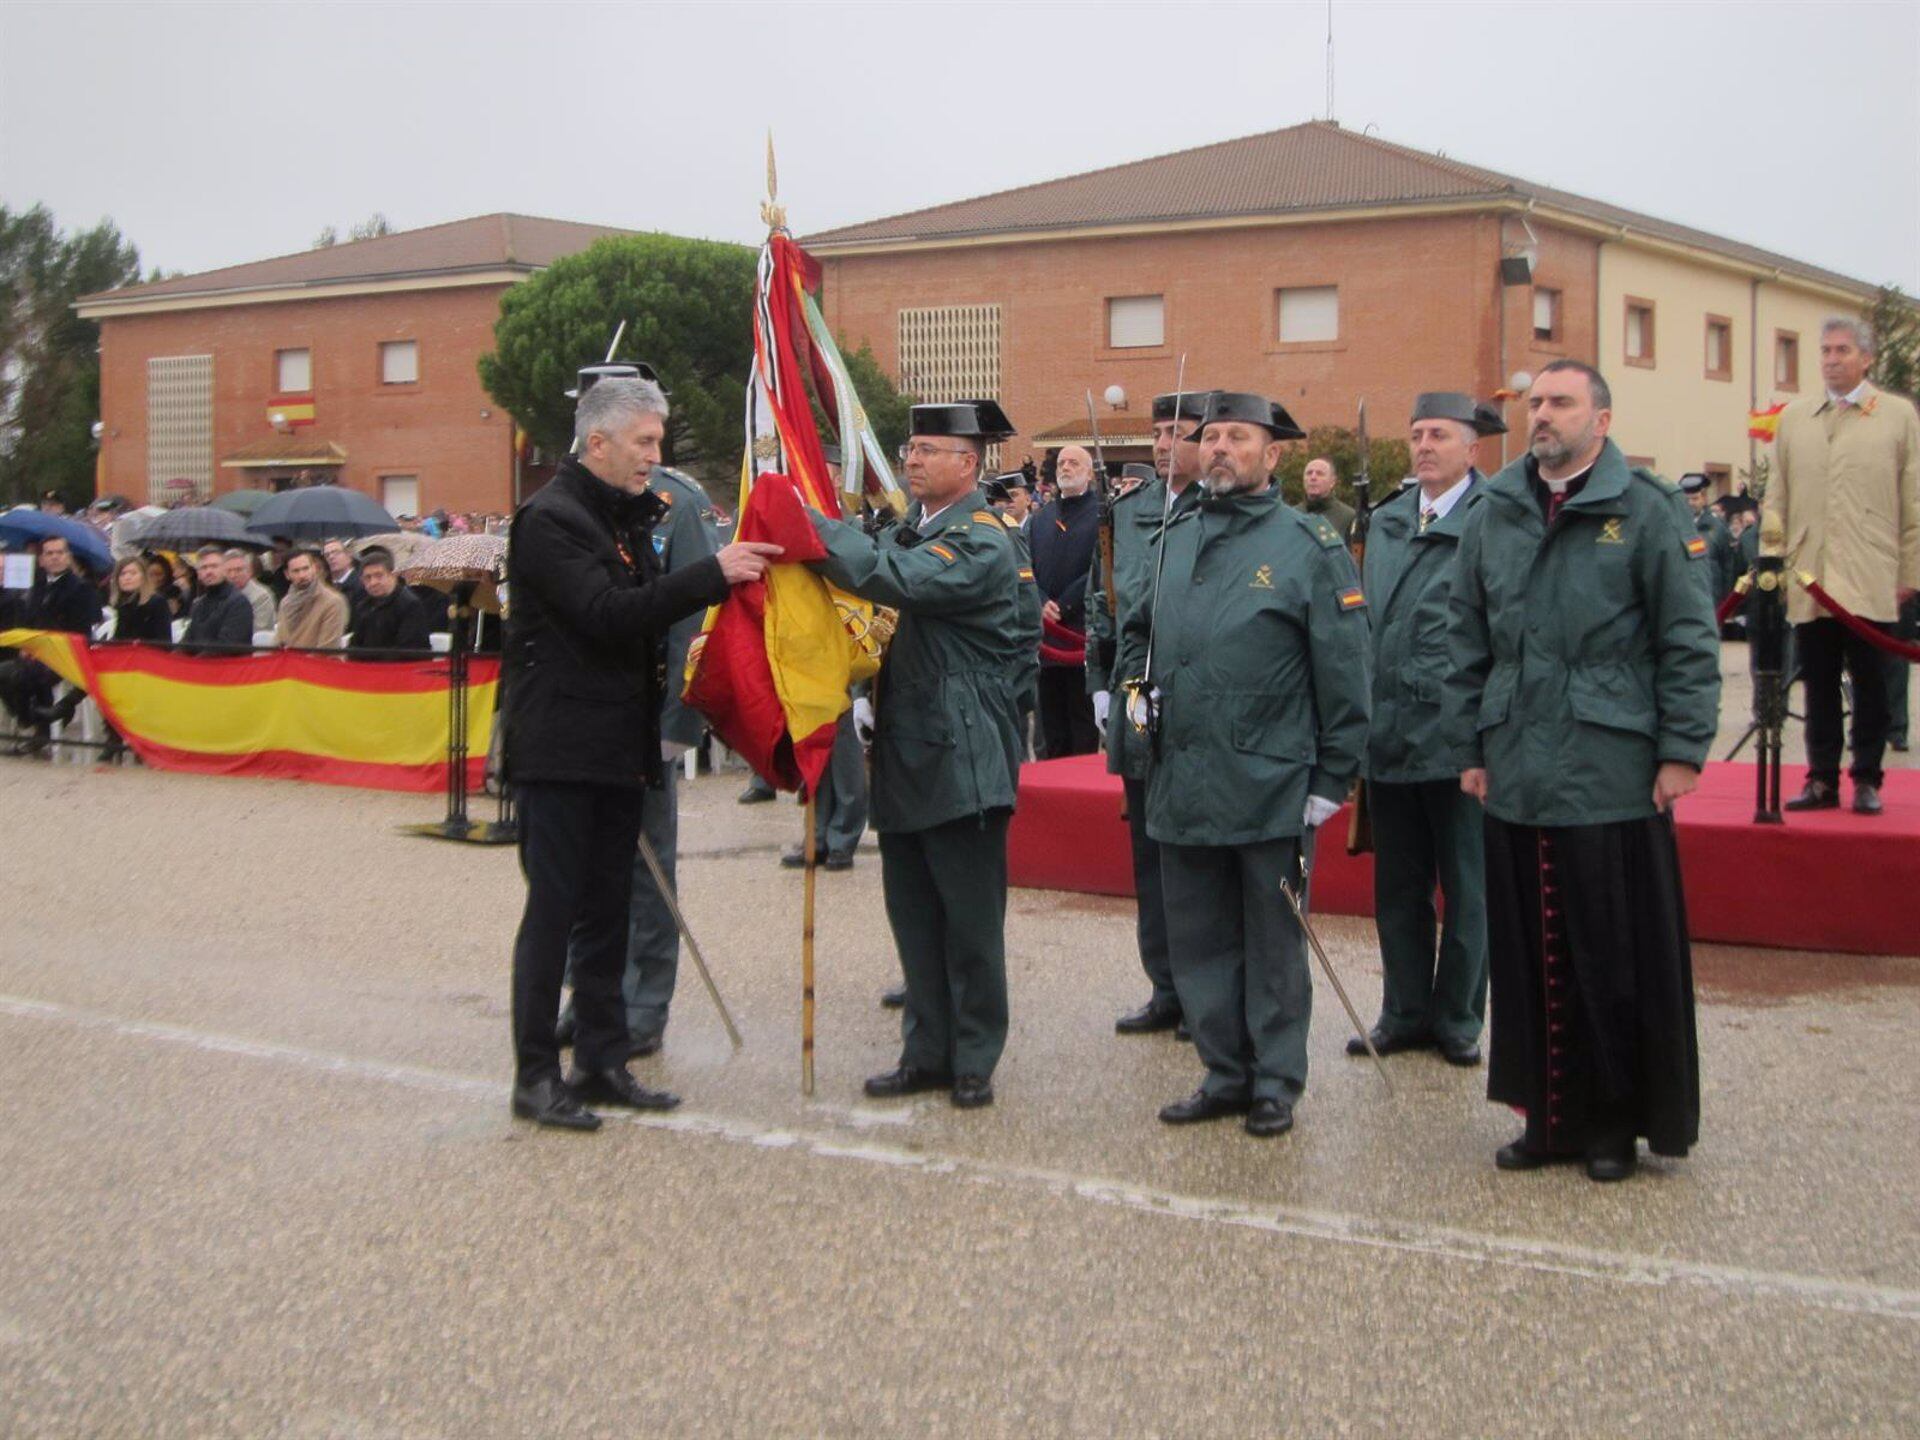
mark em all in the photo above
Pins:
pixel 1352 598
pixel 1026 574
pixel 943 552
pixel 1696 547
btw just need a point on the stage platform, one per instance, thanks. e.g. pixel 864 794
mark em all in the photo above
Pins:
pixel 1831 880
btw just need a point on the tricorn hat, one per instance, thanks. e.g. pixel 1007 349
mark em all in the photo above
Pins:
pixel 590 375
pixel 1193 404
pixel 1452 405
pixel 963 419
pixel 1015 480
pixel 1223 405
pixel 1739 504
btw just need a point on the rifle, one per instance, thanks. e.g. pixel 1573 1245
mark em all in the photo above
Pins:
pixel 1360 820
pixel 1106 511
pixel 1143 686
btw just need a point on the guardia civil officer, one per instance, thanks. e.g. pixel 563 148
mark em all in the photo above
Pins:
pixel 586 659
pixel 946 747
pixel 1582 691
pixel 1138 514
pixel 1425 831
pixel 1722 555
pixel 1258 692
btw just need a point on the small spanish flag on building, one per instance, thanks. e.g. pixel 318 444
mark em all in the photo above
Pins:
pixel 1763 424
pixel 293 410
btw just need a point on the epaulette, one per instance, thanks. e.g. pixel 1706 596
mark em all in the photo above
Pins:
pixel 1323 530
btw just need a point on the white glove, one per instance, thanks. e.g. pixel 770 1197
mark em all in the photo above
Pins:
pixel 1102 704
pixel 1320 811
pixel 1137 707
pixel 863 720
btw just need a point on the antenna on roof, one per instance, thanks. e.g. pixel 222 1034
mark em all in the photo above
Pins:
pixel 1329 59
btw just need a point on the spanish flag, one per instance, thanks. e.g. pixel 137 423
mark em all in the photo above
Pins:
pixel 381 725
pixel 1764 424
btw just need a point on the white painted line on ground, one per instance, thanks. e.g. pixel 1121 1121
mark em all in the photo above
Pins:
pixel 1436 1242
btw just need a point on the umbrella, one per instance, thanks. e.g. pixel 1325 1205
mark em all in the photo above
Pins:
pixel 403 545
pixel 242 502
pixel 26 525
pixel 453 560
pixel 321 512
pixel 196 525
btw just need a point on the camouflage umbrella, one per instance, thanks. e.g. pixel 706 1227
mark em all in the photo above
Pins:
pixel 455 560
pixel 403 545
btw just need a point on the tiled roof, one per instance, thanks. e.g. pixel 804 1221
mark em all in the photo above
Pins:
pixel 486 242
pixel 1317 166
pixel 1123 429
pixel 287 450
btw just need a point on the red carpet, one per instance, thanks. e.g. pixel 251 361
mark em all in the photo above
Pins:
pixel 1827 881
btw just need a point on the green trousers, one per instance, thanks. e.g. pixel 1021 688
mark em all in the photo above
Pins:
pixel 1240 965
pixel 1427 834
pixel 946 894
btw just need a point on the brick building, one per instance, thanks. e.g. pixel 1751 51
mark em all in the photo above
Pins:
pixel 1321 266
pixel 351 365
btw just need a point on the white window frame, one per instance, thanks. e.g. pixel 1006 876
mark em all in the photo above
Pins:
pixel 1136 322
pixel 391 350
pixel 281 358
pixel 1307 314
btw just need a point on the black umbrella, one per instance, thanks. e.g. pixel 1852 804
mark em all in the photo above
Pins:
pixel 196 525
pixel 321 512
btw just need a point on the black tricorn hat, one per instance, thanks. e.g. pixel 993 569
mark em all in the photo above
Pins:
pixel 996 489
pixel 1452 405
pixel 963 419
pixel 1193 404
pixel 1223 405
pixel 1738 504
pixel 590 375
pixel 1014 480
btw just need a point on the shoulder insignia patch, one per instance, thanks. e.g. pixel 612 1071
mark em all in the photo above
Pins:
pixel 1696 547
pixel 1026 573
pixel 989 517
pixel 1352 598
pixel 1324 532
pixel 943 552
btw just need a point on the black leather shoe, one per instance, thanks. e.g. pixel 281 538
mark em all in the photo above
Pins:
pixel 550 1103
pixel 1388 1044
pixel 754 795
pixel 894 999
pixel 970 1092
pixel 839 860
pixel 614 1086
pixel 1464 1053
pixel 563 1028
pixel 642 1045
pixel 794 859
pixel 1866 800
pixel 1612 1162
pixel 1153 1016
pixel 1201 1106
pixel 1818 795
pixel 1269 1117
pixel 909 1080
pixel 1516 1156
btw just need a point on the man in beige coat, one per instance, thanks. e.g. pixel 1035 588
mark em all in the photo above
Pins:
pixel 1845 493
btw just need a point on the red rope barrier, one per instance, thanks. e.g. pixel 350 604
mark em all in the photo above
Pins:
pixel 1072 649
pixel 1727 607
pixel 1879 639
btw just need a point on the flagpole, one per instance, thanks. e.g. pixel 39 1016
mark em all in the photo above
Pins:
pixel 806 956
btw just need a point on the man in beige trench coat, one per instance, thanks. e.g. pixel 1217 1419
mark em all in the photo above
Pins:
pixel 1845 493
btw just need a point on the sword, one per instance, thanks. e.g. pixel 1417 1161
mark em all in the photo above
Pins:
pixel 693 945
pixel 1326 965
pixel 1145 683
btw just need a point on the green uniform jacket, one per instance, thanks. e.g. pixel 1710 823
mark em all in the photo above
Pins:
pixel 1261 660
pixel 1409 584
pixel 1136 520
pixel 1720 552
pixel 685 537
pixel 1581 658
pixel 946 734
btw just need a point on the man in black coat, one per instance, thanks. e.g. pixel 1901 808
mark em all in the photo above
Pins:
pixel 1062 536
pixel 585 672
pixel 388 615
pixel 222 615
pixel 66 601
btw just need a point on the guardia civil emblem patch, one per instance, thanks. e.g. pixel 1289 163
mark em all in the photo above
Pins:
pixel 1611 532
pixel 1262 579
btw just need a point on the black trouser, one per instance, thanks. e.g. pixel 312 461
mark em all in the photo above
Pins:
pixel 1150 926
pixel 1066 713
pixel 25 683
pixel 1824 648
pixel 576 851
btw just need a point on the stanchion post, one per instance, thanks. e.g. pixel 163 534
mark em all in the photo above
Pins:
pixel 806 958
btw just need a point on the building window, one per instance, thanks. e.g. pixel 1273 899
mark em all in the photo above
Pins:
pixel 400 494
pixel 292 372
pixel 179 428
pixel 1136 321
pixel 1719 348
pixel 399 362
pixel 1308 314
pixel 951 352
pixel 1786 360
pixel 1546 315
pixel 1639 345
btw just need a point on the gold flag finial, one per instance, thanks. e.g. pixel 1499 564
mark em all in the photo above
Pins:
pixel 770 211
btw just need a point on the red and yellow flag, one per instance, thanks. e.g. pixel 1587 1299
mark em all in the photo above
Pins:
pixel 1764 424
pixel 381 725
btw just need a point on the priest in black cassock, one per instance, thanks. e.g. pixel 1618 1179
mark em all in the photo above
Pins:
pixel 1582 692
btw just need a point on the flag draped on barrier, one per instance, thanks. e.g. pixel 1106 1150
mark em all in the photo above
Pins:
pixel 381 725
pixel 771 667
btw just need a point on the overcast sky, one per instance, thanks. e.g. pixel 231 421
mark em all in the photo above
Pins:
pixel 214 134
